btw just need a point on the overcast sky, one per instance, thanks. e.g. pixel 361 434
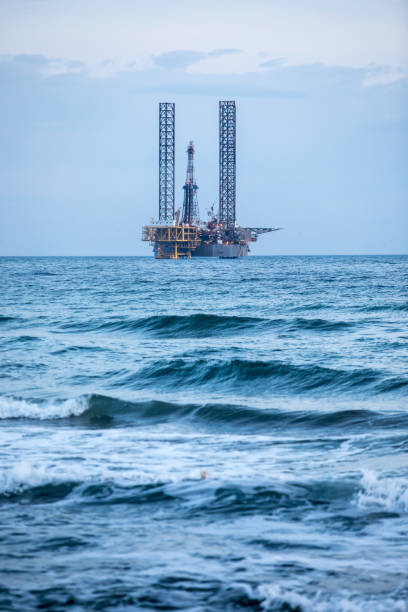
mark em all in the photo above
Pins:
pixel 322 108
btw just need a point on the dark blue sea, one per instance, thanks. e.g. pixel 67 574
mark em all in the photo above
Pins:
pixel 209 435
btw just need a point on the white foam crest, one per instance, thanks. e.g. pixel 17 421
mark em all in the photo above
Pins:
pixel 274 597
pixel 24 475
pixel 390 493
pixel 11 408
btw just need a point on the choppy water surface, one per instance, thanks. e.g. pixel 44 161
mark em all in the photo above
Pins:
pixel 284 379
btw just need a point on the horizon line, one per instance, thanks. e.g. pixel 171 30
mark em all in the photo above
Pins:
pixel 248 256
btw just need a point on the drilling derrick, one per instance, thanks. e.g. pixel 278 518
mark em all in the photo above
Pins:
pixel 227 187
pixel 190 214
pixel 166 161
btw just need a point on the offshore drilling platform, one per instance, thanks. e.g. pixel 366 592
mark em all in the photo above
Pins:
pixel 181 233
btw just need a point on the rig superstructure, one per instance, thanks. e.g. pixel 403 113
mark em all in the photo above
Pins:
pixel 182 234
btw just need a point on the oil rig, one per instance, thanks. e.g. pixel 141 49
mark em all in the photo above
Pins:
pixel 181 233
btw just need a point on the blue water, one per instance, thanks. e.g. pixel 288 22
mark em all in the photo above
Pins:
pixel 205 434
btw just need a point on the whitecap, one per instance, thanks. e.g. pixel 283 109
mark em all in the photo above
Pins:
pixel 24 475
pixel 12 408
pixel 390 493
pixel 276 597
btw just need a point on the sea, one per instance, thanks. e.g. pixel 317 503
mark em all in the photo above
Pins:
pixel 210 434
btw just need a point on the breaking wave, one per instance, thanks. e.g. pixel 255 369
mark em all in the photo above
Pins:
pixel 104 411
pixel 13 408
pixel 389 493
pixel 39 482
pixel 277 598
pixel 48 484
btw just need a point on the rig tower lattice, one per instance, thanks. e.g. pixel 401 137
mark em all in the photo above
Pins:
pixel 166 161
pixel 227 119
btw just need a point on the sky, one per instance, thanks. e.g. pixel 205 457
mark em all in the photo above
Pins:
pixel 321 88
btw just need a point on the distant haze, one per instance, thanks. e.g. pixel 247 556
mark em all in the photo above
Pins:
pixel 322 120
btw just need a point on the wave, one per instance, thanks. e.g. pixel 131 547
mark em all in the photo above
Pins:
pixel 50 483
pixel 320 324
pixel 108 492
pixel 372 496
pixel 316 306
pixel 47 493
pixel 383 492
pixel 14 408
pixel 39 483
pixel 80 349
pixel 196 325
pixel 104 411
pixel 403 307
pixel 202 325
pixel 268 376
pixel 7 319
pixel 27 339
pixel 24 339
pixel 277 598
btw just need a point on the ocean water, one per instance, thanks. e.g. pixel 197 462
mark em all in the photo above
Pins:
pixel 205 434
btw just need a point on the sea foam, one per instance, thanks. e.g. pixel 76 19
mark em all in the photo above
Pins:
pixel 390 493
pixel 23 475
pixel 13 408
pixel 276 597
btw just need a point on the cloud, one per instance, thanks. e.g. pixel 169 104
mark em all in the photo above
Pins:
pixel 218 52
pixel 63 66
pixel 180 60
pixel 383 75
pixel 347 33
pixel 45 66
pixel 274 63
